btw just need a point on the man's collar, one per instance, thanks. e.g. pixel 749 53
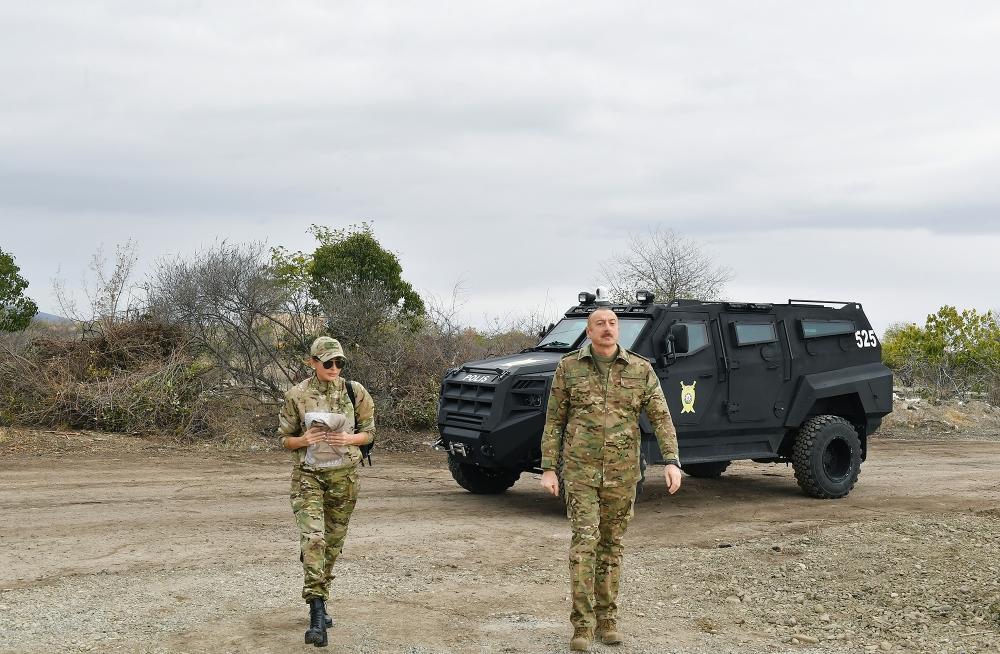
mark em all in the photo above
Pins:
pixel 586 351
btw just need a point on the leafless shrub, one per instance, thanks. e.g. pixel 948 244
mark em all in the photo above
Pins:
pixel 111 296
pixel 252 326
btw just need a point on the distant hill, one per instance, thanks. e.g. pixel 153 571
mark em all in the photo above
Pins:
pixel 41 316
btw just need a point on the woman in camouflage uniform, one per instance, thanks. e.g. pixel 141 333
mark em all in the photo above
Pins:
pixel 324 487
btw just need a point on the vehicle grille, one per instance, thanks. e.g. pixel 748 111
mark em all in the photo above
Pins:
pixel 466 404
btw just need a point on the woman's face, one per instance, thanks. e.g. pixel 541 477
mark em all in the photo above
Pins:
pixel 322 372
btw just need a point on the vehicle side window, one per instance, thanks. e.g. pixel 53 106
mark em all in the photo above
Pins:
pixel 754 333
pixel 697 337
pixel 818 328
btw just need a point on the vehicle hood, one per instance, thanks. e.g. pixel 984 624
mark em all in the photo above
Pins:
pixel 523 363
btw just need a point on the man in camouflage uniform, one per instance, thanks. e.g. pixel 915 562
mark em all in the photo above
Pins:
pixel 592 420
pixel 323 498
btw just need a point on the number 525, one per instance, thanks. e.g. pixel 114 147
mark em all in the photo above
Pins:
pixel 866 338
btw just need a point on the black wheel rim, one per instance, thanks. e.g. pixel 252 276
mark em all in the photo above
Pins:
pixel 837 459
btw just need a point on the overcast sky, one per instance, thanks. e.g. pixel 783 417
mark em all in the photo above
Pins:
pixel 846 151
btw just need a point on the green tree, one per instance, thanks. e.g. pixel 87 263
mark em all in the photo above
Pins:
pixel 16 310
pixel 359 285
pixel 954 351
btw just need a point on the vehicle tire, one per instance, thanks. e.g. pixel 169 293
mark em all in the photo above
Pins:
pixel 481 481
pixel 710 470
pixel 826 457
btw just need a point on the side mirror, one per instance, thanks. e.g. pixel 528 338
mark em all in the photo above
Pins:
pixel 678 338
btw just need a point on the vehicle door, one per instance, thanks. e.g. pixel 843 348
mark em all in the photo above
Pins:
pixel 756 362
pixel 689 378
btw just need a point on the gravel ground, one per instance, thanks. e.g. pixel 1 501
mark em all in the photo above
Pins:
pixel 118 544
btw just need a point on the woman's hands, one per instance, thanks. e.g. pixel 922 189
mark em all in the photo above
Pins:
pixel 341 438
pixel 317 434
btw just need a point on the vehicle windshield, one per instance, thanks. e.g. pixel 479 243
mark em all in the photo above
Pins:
pixel 564 334
pixel 568 330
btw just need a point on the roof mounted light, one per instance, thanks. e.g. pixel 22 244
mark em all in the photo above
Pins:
pixel 586 298
pixel 644 297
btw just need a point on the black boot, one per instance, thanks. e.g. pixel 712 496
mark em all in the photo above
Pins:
pixel 326 616
pixel 316 634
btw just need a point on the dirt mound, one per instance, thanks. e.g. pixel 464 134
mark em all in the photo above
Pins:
pixel 918 417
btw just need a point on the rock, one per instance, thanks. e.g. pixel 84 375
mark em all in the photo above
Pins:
pixel 790 621
pixel 824 617
pixel 803 638
pixel 732 599
pixel 885 645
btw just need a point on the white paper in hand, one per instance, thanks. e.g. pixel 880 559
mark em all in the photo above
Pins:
pixel 324 455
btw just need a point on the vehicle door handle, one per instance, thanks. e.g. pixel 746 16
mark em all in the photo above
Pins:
pixel 706 375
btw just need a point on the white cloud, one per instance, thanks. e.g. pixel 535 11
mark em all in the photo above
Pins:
pixel 515 145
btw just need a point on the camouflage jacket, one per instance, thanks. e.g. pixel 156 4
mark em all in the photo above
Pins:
pixel 315 395
pixel 597 427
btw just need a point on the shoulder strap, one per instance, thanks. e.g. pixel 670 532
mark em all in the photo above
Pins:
pixel 350 393
pixel 365 449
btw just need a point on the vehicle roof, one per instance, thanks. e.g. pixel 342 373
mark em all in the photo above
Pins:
pixel 656 308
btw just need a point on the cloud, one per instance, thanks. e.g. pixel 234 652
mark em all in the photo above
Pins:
pixel 513 145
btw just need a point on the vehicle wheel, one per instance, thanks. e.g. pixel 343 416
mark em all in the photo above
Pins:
pixel 709 470
pixel 827 457
pixel 482 481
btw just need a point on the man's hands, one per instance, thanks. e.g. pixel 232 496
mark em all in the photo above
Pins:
pixel 673 476
pixel 550 482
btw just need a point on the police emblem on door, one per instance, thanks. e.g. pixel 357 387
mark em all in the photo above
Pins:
pixel 687 397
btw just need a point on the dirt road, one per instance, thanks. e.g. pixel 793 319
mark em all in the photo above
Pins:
pixel 111 544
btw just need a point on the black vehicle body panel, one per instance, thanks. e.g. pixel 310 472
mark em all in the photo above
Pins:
pixel 753 374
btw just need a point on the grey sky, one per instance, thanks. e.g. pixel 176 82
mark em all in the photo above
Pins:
pixel 834 150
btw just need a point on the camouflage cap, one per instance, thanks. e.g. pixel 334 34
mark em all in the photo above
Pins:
pixel 325 348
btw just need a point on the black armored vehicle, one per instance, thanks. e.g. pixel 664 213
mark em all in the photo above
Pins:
pixel 801 382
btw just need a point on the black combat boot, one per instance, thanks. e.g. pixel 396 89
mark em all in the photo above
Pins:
pixel 316 634
pixel 326 616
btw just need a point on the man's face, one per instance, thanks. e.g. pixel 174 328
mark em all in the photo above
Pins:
pixel 602 328
pixel 323 373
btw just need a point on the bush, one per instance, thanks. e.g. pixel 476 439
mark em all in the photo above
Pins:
pixel 129 377
pixel 404 374
pixel 954 353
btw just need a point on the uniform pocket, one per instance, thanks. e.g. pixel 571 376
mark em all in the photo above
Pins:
pixel 633 381
pixel 632 389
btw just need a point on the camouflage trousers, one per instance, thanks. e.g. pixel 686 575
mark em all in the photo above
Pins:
pixel 322 502
pixel 599 517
